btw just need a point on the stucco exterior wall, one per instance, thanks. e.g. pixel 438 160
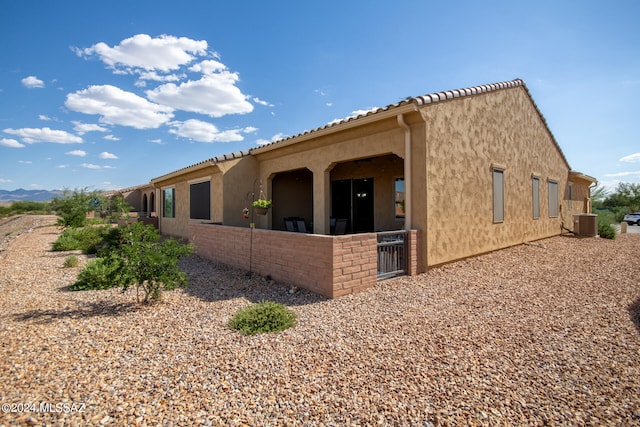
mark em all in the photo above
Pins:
pixel 464 139
pixel 178 226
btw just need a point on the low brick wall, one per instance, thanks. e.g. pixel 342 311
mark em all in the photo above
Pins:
pixel 328 265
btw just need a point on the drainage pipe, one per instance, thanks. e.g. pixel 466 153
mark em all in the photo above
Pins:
pixel 407 171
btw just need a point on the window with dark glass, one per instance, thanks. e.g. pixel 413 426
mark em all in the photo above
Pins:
pixel 169 203
pixel 200 200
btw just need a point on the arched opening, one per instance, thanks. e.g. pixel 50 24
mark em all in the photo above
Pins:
pixel 152 204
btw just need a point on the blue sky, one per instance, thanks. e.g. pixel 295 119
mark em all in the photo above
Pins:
pixel 111 94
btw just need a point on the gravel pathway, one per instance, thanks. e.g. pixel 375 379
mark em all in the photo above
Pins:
pixel 540 334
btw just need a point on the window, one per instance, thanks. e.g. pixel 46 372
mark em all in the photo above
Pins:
pixel 200 200
pixel 535 196
pixel 169 203
pixel 399 198
pixel 553 199
pixel 498 195
pixel 570 191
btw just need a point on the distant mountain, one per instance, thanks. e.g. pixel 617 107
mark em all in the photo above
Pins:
pixel 32 195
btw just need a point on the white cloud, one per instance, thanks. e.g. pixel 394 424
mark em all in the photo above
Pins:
pixel 262 102
pixel 200 131
pixel 631 158
pixel 620 174
pixel 118 107
pixel 274 138
pixel 107 155
pixel 34 135
pixel 32 82
pixel 154 76
pixel 25 162
pixel 208 67
pixel 5 181
pixel 214 95
pixel 11 143
pixel 112 138
pixel 82 128
pixel 92 166
pixel 44 118
pixel 62 166
pixel 156 141
pixel 79 153
pixel 142 52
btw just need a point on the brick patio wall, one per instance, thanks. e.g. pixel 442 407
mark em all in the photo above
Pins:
pixel 328 265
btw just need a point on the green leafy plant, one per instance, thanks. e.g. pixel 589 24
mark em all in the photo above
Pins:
pixel 606 230
pixel 261 203
pixel 73 206
pixel 266 316
pixel 133 255
pixel 96 274
pixel 87 239
pixel 119 208
pixel 71 261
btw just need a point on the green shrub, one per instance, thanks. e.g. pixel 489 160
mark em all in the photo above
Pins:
pixel 606 230
pixel 266 316
pixel 132 255
pixel 97 274
pixel 87 239
pixel 71 261
pixel 73 206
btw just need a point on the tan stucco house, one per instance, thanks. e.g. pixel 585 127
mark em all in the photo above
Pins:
pixel 462 172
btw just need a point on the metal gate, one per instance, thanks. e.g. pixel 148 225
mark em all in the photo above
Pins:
pixel 392 254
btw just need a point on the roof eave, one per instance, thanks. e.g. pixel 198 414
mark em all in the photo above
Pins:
pixel 580 175
pixel 339 127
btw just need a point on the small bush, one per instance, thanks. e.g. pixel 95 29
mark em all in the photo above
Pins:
pixel 133 255
pixel 606 230
pixel 71 261
pixel 87 239
pixel 266 316
pixel 97 274
pixel 72 207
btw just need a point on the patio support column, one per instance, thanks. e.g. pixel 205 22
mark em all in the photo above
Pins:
pixel 321 201
pixel 407 173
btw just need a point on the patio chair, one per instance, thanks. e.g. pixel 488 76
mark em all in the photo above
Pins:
pixel 341 226
pixel 302 226
pixel 289 225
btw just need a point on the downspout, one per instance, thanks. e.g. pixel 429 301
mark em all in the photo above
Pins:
pixel 407 171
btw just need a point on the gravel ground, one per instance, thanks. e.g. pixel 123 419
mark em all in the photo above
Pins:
pixel 540 334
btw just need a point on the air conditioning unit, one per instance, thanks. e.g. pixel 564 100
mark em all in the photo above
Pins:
pixel 585 225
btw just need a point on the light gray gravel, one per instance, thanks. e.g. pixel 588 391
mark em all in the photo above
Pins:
pixel 539 334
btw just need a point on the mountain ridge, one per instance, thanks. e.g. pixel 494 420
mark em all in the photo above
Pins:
pixel 21 195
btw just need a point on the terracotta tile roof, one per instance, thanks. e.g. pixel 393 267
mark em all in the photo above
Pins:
pixel 211 161
pixel 417 101
pixel 425 100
